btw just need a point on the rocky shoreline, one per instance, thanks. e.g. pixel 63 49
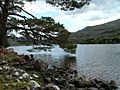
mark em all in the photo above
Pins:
pixel 31 74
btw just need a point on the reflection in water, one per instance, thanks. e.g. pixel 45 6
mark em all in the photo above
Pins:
pixel 64 61
pixel 68 62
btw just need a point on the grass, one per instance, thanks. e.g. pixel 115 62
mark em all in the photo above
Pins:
pixel 8 55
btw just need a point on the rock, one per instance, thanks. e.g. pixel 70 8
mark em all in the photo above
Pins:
pixel 78 83
pixel 25 75
pixel 102 89
pixel 51 86
pixel 60 81
pixel 34 85
pixel 32 57
pixel 6 84
pixel 98 85
pixel 31 78
pixel 94 82
pixel 14 84
pixel 24 88
pixel 6 67
pixel 55 87
pixel 20 77
pixel 88 83
pixel 1 68
pixel 3 62
pixel 14 63
pixel 28 88
pixel 29 67
pixel 40 65
pixel 92 88
pixel 36 76
pixel 71 86
pixel 22 70
pixel 113 84
pixel 85 88
pixel 103 84
pixel 47 80
pixel 56 78
pixel 16 73
pixel 27 57
pixel 8 76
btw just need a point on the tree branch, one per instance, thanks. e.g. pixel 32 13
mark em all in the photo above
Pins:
pixel 15 14
pixel 21 17
pixel 22 28
pixel 24 11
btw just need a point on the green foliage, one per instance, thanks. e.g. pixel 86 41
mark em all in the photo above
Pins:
pixel 11 57
pixel 12 84
pixel 104 33
pixel 55 32
pixel 39 31
pixel 68 4
pixel 69 46
pixel 45 30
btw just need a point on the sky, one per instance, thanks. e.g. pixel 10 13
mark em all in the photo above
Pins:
pixel 98 12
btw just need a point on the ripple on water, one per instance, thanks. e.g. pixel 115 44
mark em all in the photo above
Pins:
pixel 94 61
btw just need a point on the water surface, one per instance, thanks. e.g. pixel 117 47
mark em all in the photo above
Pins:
pixel 94 61
pixel 99 61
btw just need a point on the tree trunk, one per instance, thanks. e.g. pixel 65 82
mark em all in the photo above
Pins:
pixel 3 24
pixel 3 33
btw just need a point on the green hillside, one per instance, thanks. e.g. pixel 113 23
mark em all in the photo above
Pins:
pixel 104 33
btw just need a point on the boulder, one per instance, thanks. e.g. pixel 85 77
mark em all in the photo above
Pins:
pixel 3 62
pixel 16 73
pixel 113 84
pixel 34 85
pixel 1 68
pixel 25 75
pixel 40 65
pixel 14 63
pixel 36 76
pixel 51 86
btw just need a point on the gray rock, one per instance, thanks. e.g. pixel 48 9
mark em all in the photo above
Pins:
pixel 15 63
pixel 16 74
pixel 1 68
pixel 47 80
pixel 34 85
pixel 25 75
pixel 6 67
pixel 36 76
pixel 3 62
pixel 92 88
pixel 20 77
pixel 113 84
pixel 51 86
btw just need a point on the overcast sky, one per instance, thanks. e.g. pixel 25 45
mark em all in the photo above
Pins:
pixel 98 12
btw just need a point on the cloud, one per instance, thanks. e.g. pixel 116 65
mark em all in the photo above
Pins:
pixel 98 12
pixel 38 7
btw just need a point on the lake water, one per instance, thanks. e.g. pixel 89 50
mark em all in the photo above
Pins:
pixel 100 61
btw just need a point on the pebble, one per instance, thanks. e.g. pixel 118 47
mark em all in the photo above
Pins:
pixel 25 75
pixel 36 76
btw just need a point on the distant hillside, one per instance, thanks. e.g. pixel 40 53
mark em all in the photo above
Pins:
pixel 104 33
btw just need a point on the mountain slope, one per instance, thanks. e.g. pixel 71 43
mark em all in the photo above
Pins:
pixel 98 33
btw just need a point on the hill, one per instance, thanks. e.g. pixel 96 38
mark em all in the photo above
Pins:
pixel 104 33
